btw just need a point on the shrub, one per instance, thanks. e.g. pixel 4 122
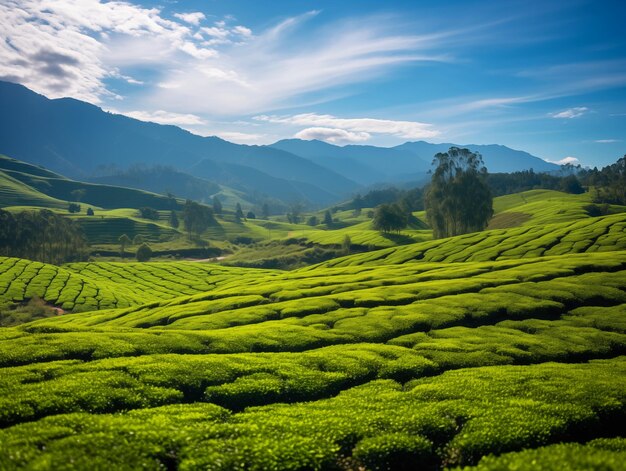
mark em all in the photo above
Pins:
pixel 144 253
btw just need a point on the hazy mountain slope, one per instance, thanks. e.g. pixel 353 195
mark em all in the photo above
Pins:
pixel 243 178
pixel 75 138
pixel 162 180
pixel 369 164
pixel 365 164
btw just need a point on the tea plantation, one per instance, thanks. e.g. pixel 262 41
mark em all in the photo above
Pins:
pixel 498 350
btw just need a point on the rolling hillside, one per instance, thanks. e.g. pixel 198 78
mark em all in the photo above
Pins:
pixel 25 185
pixel 59 134
pixel 327 367
pixel 478 351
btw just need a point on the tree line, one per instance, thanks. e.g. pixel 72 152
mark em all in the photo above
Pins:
pixel 42 236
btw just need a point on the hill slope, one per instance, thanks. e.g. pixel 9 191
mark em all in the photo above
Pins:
pixel 75 138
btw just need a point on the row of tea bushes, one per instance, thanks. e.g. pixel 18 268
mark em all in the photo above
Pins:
pixel 452 419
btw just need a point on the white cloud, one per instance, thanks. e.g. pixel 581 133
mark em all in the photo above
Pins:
pixel 242 137
pixel 191 18
pixel 567 160
pixel 242 30
pixel 359 126
pixel 274 68
pixel 571 113
pixel 73 47
pixel 165 117
pixel 332 135
pixel 606 141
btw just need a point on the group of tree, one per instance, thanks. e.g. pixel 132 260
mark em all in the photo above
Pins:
pixel 197 218
pixel 608 184
pixel 516 182
pixel 411 200
pixel 458 199
pixel 389 218
pixel 295 213
pixel 73 208
pixel 148 213
pixel 42 236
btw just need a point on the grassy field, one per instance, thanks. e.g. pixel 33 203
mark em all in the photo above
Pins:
pixel 484 351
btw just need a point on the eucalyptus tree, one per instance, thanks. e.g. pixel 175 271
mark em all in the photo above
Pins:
pixel 458 199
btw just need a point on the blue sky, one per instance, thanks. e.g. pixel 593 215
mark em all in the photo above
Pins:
pixel 546 77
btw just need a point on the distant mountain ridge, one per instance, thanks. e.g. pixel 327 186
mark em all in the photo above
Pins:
pixel 497 158
pixel 370 164
pixel 80 140
pixel 76 138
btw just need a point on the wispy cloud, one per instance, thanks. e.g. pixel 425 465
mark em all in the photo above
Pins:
pixel 165 117
pixel 242 137
pixel 192 18
pixel 607 141
pixel 332 135
pixel 276 68
pixel 76 48
pixel 570 113
pixel 334 129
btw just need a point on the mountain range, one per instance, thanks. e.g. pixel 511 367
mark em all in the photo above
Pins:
pixel 81 140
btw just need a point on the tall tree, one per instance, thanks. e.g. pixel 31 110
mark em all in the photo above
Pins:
pixel 458 199
pixel 217 205
pixel 124 241
pixel 238 212
pixel 328 218
pixel 265 211
pixel 174 219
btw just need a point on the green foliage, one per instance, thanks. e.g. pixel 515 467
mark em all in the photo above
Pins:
pixel 73 208
pixel 148 213
pixel 238 212
pixel 393 451
pixel 389 218
pixel 35 308
pixel 144 253
pixel 601 454
pixel 124 241
pixel 328 218
pixel 41 235
pixel 487 349
pixel 451 419
pixel 197 218
pixel 217 205
pixel 346 245
pixel 571 184
pixel 173 219
pixel 90 212
pixel 609 183
pixel 458 199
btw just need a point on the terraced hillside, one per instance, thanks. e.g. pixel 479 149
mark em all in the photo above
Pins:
pixel 599 234
pixel 510 348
